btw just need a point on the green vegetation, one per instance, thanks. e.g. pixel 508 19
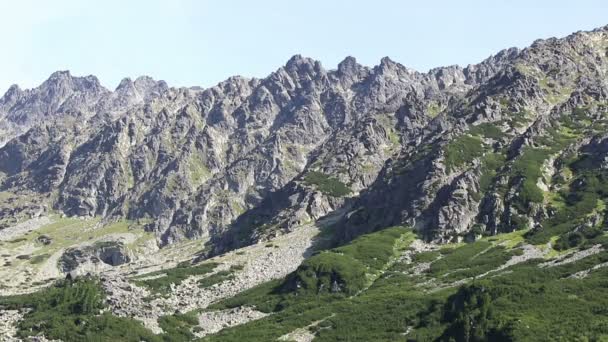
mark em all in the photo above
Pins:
pixel 532 304
pixel 522 303
pixel 555 93
pixel 388 122
pixel 178 327
pixel 38 259
pixel 326 184
pixel 219 277
pixel 426 256
pixel 174 276
pixel 335 273
pixel 479 258
pixel 462 151
pixel 487 130
pixel 473 255
pixel 329 273
pixel 173 183
pixel 433 109
pixel 267 297
pixel 527 167
pixel 70 311
pixel 346 269
pixel 63 233
pixel 197 170
pixel 526 171
pixel 585 195
pixel 490 166
pixel 375 250
pixel 519 119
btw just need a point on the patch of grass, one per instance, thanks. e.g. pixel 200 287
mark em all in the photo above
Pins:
pixel 340 271
pixel 491 163
pixel 38 259
pixel 509 240
pixel 487 130
pixel 218 277
pixel 374 250
pixel 519 119
pixel 328 272
pixel 326 184
pixel 433 109
pixel 70 311
pixel 178 327
pixel 582 198
pixel 198 172
pixel 346 269
pixel 174 276
pixel 469 260
pixel 462 151
pixel 527 303
pixel 531 304
pixel 266 297
pixel 528 167
pixel 429 256
pixel 484 262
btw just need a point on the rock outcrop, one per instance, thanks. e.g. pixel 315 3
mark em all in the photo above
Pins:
pixel 93 258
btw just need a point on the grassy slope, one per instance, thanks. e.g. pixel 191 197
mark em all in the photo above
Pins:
pixel 326 184
pixel 401 305
pixel 387 301
pixel 66 232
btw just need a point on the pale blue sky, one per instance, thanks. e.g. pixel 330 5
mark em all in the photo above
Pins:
pixel 202 42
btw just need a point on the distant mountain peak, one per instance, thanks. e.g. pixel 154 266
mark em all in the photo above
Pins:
pixel 13 91
pixel 348 64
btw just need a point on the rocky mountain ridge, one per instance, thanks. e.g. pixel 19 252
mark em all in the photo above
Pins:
pixel 251 158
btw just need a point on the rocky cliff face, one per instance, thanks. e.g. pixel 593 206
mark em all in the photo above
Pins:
pixel 453 152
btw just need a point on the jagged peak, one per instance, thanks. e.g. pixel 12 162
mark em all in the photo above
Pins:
pixel 388 65
pixel 387 61
pixel 13 91
pixel 64 78
pixel 14 87
pixel 510 52
pixel 56 78
pixel 145 79
pixel 502 56
pixel 147 83
pixel 582 34
pixel 445 68
pixel 60 74
pixel 144 83
pixel 298 60
pixel 348 64
pixel 124 83
pixel 295 59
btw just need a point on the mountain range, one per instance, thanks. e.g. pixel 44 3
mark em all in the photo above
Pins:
pixel 310 185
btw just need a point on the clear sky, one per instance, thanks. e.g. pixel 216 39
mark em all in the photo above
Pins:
pixel 202 42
